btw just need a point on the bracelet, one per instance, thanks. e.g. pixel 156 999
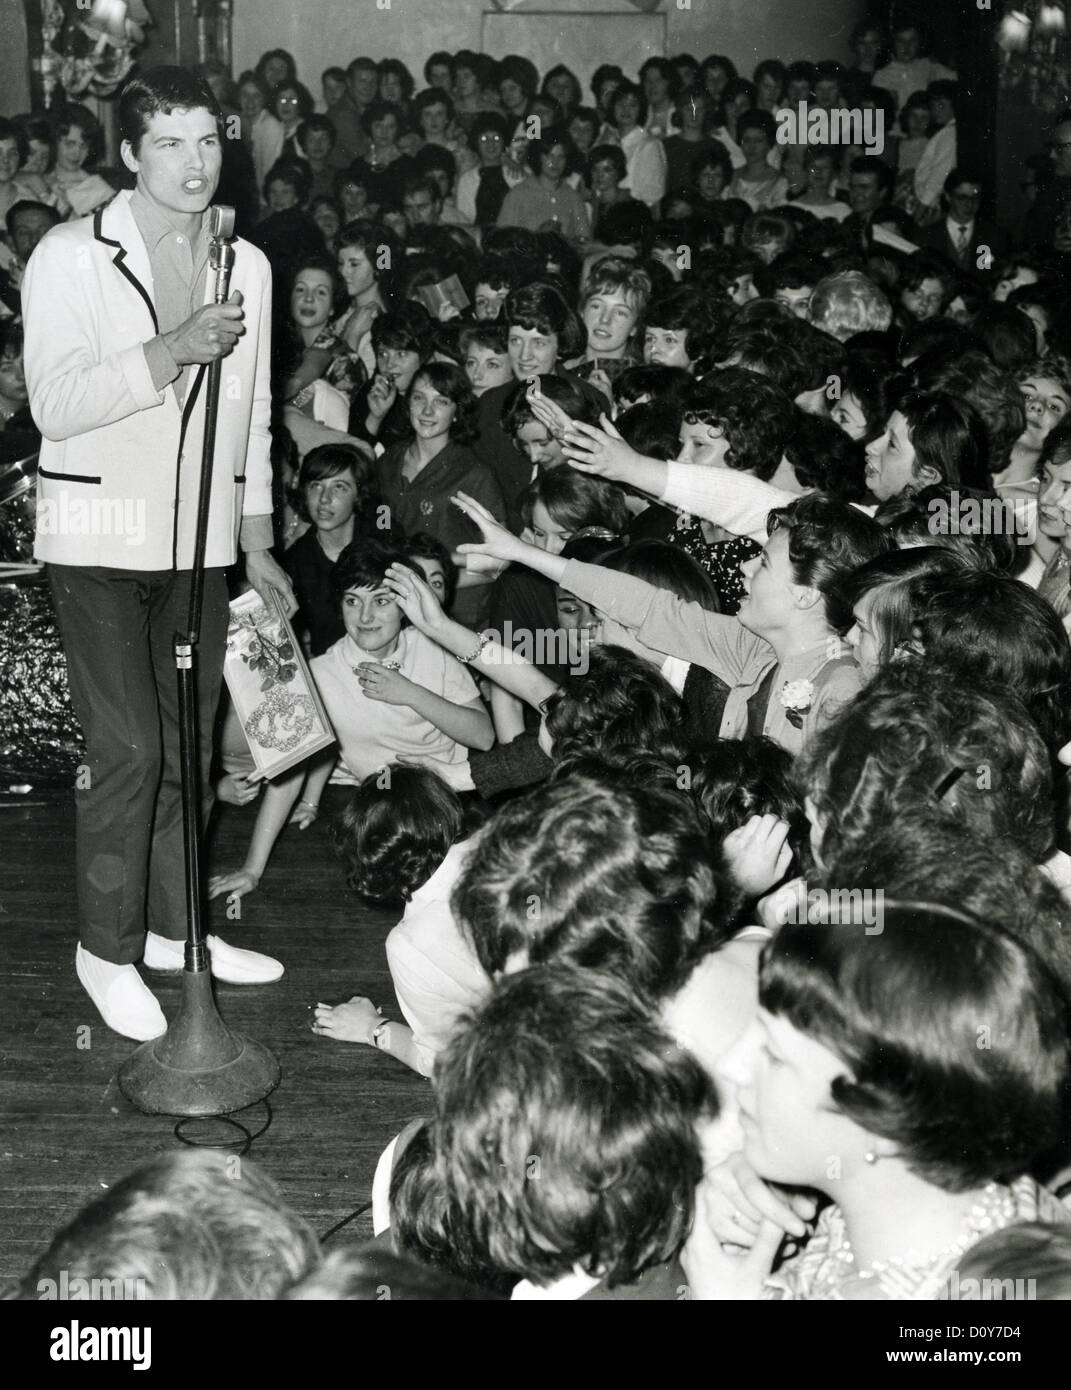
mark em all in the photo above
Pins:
pixel 485 640
pixel 379 1029
pixel 313 807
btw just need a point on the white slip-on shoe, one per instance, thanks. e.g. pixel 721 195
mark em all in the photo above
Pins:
pixel 230 964
pixel 125 1002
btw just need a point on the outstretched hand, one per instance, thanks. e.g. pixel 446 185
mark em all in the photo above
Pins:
pixel 598 449
pixel 497 541
pixel 233 885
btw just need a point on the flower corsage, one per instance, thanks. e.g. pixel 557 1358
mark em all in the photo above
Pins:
pixel 796 698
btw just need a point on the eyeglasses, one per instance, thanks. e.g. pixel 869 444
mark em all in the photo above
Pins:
pixel 1058 145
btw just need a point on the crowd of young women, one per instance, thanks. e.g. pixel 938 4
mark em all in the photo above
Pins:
pixel 684 566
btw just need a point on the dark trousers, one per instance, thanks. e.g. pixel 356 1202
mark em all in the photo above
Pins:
pixel 118 629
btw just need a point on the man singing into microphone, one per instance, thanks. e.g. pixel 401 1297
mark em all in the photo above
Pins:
pixel 118 332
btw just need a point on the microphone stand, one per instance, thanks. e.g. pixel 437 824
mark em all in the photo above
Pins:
pixel 199 1066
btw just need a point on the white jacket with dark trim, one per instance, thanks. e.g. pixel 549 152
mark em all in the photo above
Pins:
pixel 120 462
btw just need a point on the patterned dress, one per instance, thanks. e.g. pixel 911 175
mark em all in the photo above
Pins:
pixel 825 1269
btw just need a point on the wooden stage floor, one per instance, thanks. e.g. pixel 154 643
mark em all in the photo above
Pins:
pixel 66 1133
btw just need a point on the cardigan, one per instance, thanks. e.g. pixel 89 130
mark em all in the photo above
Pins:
pixel 724 646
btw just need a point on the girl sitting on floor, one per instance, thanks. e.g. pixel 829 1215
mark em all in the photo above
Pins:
pixel 405 839
pixel 390 693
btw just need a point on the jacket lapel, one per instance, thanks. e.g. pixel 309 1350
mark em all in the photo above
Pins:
pixel 129 257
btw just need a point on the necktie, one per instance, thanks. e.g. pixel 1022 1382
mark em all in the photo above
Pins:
pixel 962 237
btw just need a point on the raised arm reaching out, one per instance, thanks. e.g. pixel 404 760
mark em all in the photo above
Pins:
pixel 501 664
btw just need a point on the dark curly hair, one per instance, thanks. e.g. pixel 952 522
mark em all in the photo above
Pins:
pixel 620 702
pixel 589 870
pixel 827 539
pixel 990 628
pixel 917 742
pixel 686 308
pixel 756 415
pixel 565 1134
pixel 396 831
pixel 735 779
pixel 377 111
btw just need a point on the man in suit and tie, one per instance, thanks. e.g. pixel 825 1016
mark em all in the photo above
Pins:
pixel 119 331
pixel 972 243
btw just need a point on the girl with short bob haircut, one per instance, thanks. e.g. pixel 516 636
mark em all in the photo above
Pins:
pixel 544 309
pixel 618 1189
pixel 395 836
pixel 680 329
pixel 866 1046
pixel 395 833
pixel 401 342
pixel 612 306
pixel 930 437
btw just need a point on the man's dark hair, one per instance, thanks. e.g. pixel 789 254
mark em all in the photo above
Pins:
pixel 29 205
pixel 871 164
pixel 161 91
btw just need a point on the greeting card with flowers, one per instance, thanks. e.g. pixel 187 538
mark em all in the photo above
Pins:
pixel 274 695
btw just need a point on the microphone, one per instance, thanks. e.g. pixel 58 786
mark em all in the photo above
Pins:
pixel 220 250
pixel 220 222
